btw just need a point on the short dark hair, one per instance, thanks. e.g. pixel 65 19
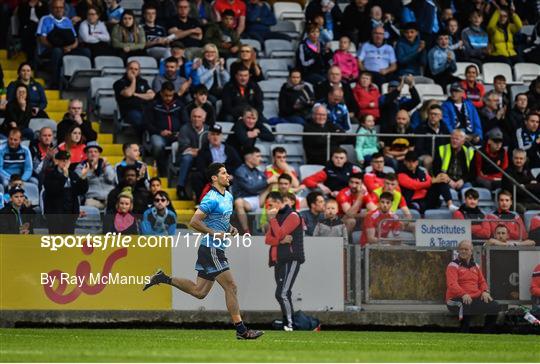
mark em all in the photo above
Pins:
pixel 149 5
pixel 131 167
pixel 15 177
pixel 250 150
pixel 227 12
pixel 293 70
pixel 213 170
pixel 167 86
pixel 377 155
pixel 499 78
pixel 285 176
pixel 312 197
pixel 505 193
pixel 472 193
pixel 240 69
pixel 171 60
pixel 388 196
pixel 502 226
pixel 391 176
pixel 367 73
pixel 339 150
pixel 520 94
pixel 358 175
pixel 277 150
pixel 275 195
pixel 435 106
pixel 443 33
pixel 290 196
pixel 125 146
pixel 200 90
pixel 162 194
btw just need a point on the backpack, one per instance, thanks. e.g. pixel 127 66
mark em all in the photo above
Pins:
pixel 302 322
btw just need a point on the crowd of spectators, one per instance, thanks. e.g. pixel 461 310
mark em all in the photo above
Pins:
pixel 398 46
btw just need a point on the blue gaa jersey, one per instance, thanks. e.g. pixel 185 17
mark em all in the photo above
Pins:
pixel 218 209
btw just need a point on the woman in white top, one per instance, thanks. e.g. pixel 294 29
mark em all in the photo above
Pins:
pixel 94 35
pixel 212 72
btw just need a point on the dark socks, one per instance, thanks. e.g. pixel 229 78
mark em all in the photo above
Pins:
pixel 240 327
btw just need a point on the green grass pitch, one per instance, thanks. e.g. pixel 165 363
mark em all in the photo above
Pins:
pixel 143 345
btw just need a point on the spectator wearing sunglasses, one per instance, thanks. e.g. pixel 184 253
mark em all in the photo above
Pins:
pixel 158 219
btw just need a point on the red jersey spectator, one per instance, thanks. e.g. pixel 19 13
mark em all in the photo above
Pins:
pixel 470 211
pixel 534 229
pixel 486 174
pixel 352 199
pixel 239 9
pixel 391 185
pixel 335 174
pixel 516 226
pixel 474 90
pixel 535 284
pixel 467 292
pixel 375 178
pixel 367 95
pixel 373 229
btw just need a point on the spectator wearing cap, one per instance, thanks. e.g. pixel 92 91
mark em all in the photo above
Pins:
pixel 312 57
pixel 426 147
pixel 467 293
pixel 249 183
pixel 75 117
pixel 377 57
pixel 442 61
pixel 367 96
pixel 131 183
pixel 528 139
pixel 133 93
pixel 392 101
pixel 159 219
pixel 186 69
pixel 475 39
pixel 215 151
pixel 224 35
pixel 163 119
pixel 100 176
pixel 486 174
pixel 248 130
pixel 410 51
pixel 63 188
pixel 181 85
pixel 184 28
pixel 518 171
pixel 460 113
pixel 15 159
pixel 157 42
pixel 191 139
pixel 335 79
pixel 238 94
pixel 200 99
pixel 416 184
pixel 16 217
pixel 513 222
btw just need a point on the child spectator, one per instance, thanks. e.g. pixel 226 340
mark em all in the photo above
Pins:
pixel 475 39
pixel 442 61
pixel 331 225
pixel 366 145
pixel 346 62
pixel 456 44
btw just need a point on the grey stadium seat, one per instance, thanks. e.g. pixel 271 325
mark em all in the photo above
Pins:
pixel 78 71
pixel 276 68
pixel 278 48
pixel 102 96
pixel 270 108
pixel 270 88
pixel 289 128
pixel 38 123
pixel 307 170
pixel 102 62
pixel 295 152
pixel 438 214
pixel 528 217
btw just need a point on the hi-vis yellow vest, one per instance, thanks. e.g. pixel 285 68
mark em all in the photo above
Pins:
pixel 397 198
pixel 445 152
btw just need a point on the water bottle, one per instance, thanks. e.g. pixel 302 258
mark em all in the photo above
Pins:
pixel 529 316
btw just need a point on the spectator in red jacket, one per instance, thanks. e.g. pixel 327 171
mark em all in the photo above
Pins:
pixel 501 237
pixel 534 229
pixel 467 293
pixel 367 95
pixel 416 184
pixel 352 199
pixel 334 176
pixel 515 225
pixel 375 178
pixel 535 288
pixel 486 174
pixel 373 229
pixel 481 228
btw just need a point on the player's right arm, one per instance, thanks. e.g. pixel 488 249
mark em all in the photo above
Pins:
pixel 198 224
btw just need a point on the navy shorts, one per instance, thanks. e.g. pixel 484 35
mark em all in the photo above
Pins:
pixel 211 262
